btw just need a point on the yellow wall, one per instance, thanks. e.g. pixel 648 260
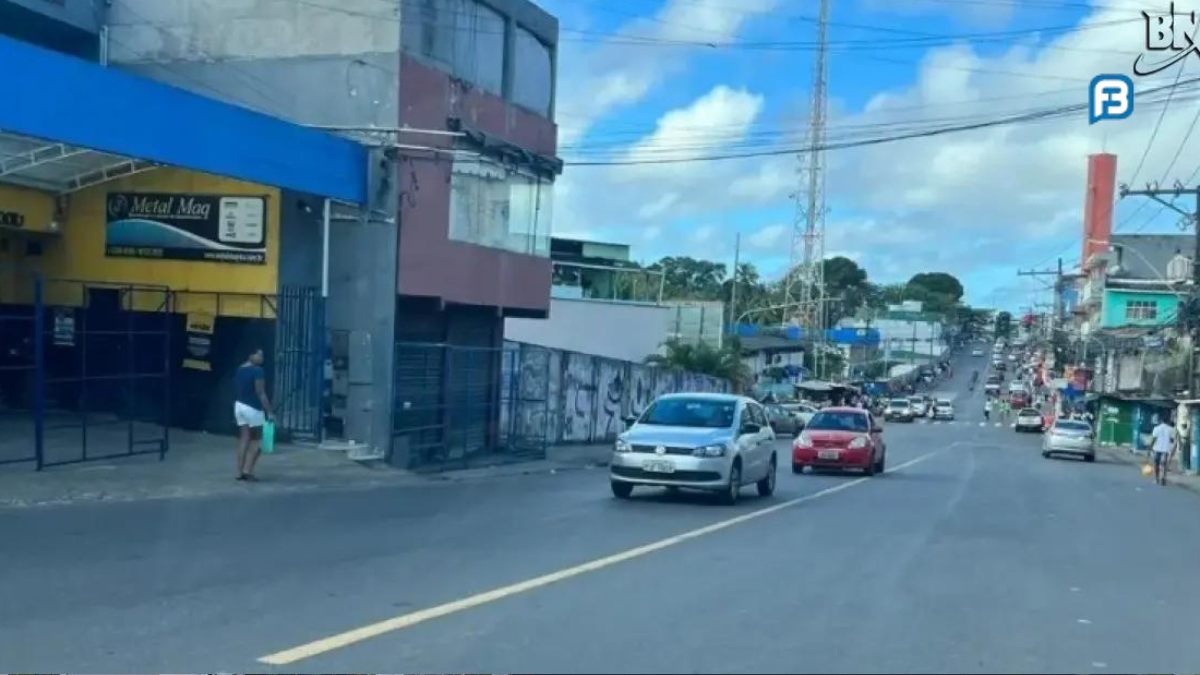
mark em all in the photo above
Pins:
pixel 37 211
pixel 78 253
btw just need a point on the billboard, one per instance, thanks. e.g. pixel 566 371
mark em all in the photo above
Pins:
pixel 214 228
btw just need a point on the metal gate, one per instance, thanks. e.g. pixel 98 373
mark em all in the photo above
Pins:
pixel 86 370
pixel 300 357
pixel 453 406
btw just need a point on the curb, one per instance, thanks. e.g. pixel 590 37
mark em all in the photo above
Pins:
pixel 1123 456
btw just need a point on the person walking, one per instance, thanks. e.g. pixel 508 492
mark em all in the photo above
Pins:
pixel 1162 447
pixel 987 410
pixel 251 409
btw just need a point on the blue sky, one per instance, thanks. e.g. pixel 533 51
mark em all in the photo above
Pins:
pixel 977 204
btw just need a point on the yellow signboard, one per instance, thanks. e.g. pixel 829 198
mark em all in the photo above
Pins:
pixel 200 328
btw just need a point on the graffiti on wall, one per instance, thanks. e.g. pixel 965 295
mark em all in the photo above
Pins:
pixel 566 397
pixel 611 400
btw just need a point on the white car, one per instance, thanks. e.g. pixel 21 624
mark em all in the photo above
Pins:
pixel 803 412
pixel 1029 419
pixel 943 410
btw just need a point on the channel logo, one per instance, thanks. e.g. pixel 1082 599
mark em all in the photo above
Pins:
pixel 1110 97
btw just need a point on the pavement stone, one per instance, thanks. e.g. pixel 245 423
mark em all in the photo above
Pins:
pixel 202 465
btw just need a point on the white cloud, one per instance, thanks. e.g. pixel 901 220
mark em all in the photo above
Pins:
pixel 703 234
pixel 769 238
pixel 658 206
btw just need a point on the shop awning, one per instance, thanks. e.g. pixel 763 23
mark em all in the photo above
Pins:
pixel 66 121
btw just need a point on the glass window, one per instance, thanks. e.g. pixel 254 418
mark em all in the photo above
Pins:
pixel 502 208
pixel 839 421
pixel 462 37
pixel 1141 310
pixel 533 84
pixel 690 412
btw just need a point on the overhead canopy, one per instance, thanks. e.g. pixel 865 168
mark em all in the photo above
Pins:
pixel 66 121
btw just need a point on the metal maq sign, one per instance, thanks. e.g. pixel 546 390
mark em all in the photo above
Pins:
pixel 186 227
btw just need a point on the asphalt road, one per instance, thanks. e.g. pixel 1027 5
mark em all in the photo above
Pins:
pixel 973 554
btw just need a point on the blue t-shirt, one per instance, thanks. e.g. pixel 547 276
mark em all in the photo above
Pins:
pixel 245 391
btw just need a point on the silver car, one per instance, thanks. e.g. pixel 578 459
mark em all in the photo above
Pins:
pixel 1070 437
pixel 713 442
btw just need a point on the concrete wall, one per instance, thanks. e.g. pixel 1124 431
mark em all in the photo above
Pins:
pixel 1116 305
pixel 293 60
pixel 616 330
pixel 569 397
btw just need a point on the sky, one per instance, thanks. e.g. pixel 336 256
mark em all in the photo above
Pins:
pixel 679 79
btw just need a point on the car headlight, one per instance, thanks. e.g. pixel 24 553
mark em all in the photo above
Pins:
pixel 716 450
pixel 804 441
pixel 622 446
pixel 858 443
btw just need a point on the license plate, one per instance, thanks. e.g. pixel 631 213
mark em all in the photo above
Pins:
pixel 658 466
pixel 829 454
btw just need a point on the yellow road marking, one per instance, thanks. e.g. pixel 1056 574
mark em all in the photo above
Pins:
pixel 350 637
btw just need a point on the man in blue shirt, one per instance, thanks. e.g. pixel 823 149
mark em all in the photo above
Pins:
pixel 251 409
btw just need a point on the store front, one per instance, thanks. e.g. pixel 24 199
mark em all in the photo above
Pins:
pixel 151 238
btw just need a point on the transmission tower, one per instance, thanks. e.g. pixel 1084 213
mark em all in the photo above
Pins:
pixel 808 223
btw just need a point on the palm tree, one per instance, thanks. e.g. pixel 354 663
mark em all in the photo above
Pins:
pixel 703 358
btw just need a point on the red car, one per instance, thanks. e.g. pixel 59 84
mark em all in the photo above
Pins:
pixel 841 438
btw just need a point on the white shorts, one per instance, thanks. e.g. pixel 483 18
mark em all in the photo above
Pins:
pixel 248 416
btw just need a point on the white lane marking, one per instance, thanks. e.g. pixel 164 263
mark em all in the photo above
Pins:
pixel 998 425
pixel 350 637
pixel 1083 622
pixel 983 424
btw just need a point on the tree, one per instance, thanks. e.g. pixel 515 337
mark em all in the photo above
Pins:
pixel 687 278
pixel 939 283
pixel 725 363
pixel 846 284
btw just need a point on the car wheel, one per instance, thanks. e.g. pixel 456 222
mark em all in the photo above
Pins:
pixel 766 486
pixel 734 489
pixel 622 490
pixel 1089 458
pixel 1045 454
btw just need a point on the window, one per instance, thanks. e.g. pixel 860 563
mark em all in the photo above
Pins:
pixel 690 412
pixel 494 206
pixel 533 82
pixel 462 36
pixel 1141 310
pixel 839 421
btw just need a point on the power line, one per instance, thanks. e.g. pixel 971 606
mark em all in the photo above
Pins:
pixel 1028 117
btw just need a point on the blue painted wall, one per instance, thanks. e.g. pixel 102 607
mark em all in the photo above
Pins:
pixel 1115 303
pixel 108 110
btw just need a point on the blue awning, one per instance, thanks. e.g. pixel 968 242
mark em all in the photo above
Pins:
pixel 66 100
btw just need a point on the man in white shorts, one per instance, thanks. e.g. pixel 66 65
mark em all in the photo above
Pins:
pixel 1162 447
pixel 251 410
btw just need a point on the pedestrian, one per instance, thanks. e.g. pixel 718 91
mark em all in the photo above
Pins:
pixel 1163 448
pixel 987 409
pixel 251 409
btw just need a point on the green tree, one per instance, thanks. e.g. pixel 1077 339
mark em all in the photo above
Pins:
pixel 725 363
pixel 687 278
pixel 938 283
pixel 847 287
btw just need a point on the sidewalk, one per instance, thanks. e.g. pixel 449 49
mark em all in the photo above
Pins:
pixel 202 465
pixel 1124 455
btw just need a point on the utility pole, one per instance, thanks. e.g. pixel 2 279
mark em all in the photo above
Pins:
pixel 737 254
pixel 808 223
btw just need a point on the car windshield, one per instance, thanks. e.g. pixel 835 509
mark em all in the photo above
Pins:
pixel 1073 426
pixel 838 421
pixel 1030 412
pixel 899 403
pixel 690 412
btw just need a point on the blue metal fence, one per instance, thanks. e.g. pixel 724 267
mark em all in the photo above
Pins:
pixel 300 345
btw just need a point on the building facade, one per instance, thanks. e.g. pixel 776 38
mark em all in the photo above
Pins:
pixel 455 98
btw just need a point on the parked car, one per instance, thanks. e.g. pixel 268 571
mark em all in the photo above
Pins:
pixel 943 409
pixel 803 412
pixel 712 442
pixel 783 421
pixel 1070 437
pixel 841 438
pixel 898 409
pixel 1030 419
